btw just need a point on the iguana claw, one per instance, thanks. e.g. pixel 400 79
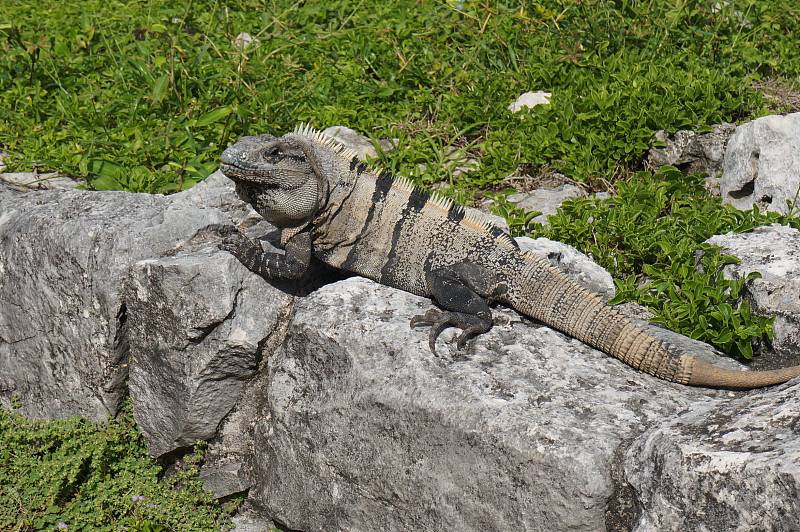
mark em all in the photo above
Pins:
pixel 237 245
pixel 440 321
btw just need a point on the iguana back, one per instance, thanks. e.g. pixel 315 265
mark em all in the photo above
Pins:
pixel 382 227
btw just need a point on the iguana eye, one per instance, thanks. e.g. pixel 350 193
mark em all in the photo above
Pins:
pixel 272 152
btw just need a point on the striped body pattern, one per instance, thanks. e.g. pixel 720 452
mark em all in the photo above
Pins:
pixel 331 206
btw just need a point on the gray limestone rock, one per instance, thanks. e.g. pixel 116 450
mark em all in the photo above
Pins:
pixel 225 479
pixel 196 324
pixel 572 262
pixel 545 200
pixel 692 152
pixel 730 465
pixel 368 430
pixel 64 255
pixel 774 252
pixel 334 414
pixel 762 164
pixel 38 181
pixel 249 519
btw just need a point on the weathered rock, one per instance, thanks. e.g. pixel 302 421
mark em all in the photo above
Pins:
pixel 367 430
pixel 249 519
pixel 546 200
pixel 762 164
pixel 730 465
pixel 774 252
pixel 355 424
pixel 38 181
pixel 186 373
pixel 572 262
pixel 63 258
pixel 225 479
pixel 691 152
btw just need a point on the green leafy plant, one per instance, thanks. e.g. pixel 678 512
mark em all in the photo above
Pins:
pixel 77 475
pixel 520 222
pixel 704 306
pixel 647 237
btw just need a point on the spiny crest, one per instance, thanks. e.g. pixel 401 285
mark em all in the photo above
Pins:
pixel 320 137
pixel 404 184
pixel 477 221
pixel 470 218
pixel 397 182
pixel 443 202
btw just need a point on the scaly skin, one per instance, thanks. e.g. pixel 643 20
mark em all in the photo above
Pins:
pixel 329 205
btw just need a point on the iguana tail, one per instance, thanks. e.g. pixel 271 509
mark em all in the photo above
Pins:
pixel 545 294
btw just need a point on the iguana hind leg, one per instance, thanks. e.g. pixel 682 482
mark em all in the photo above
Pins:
pixel 460 289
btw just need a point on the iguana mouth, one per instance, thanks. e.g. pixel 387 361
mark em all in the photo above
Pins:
pixel 226 168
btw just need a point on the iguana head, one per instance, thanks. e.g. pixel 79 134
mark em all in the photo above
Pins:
pixel 280 177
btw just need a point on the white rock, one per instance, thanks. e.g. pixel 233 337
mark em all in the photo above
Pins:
pixel 546 200
pixel 529 100
pixel 762 164
pixel 774 252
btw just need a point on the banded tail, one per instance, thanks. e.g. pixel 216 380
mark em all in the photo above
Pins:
pixel 545 294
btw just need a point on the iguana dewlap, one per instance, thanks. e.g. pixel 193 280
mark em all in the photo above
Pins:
pixel 329 205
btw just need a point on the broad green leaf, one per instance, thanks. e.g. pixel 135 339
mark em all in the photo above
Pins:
pixel 106 183
pixel 744 310
pixel 159 88
pixel 213 116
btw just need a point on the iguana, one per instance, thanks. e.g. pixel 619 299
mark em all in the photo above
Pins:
pixel 330 205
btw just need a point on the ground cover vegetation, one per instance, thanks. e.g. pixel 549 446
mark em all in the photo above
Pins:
pixel 144 95
pixel 76 475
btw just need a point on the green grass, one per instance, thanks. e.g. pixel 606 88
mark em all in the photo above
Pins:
pixel 96 477
pixel 144 95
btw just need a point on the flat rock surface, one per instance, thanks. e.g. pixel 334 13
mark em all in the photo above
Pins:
pixel 733 466
pixel 545 200
pixel 368 430
pixel 37 181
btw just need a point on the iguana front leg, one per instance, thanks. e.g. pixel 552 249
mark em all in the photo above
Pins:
pixel 460 289
pixel 289 265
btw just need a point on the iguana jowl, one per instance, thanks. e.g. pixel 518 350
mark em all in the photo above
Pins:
pixel 328 204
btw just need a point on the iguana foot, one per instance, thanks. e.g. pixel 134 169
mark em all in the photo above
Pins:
pixel 439 321
pixel 241 247
pixel 289 265
pixel 461 289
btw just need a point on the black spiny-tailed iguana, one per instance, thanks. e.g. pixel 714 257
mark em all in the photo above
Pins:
pixel 330 205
